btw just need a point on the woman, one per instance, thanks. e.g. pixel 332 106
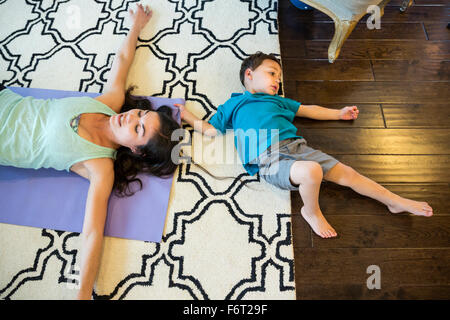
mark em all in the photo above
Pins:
pixel 91 138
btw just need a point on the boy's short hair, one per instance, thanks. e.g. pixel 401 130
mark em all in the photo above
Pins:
pixel 254 61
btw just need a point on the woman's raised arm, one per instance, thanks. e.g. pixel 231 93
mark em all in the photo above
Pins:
pixel 114 94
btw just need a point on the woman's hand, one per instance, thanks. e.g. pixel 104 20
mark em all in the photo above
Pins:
pixel 199 125
pixel 348 113
pixel 183 110
pixel 141 16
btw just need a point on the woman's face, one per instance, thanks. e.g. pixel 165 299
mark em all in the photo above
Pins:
pixel 134 128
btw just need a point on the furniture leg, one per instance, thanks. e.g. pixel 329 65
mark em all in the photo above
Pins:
pixel 405 5
pixel 342 30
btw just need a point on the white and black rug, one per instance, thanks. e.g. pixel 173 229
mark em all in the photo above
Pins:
pixel 224 239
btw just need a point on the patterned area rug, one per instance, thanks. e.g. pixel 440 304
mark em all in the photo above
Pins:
pixel 224 238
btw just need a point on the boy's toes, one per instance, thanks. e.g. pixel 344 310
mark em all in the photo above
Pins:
pixel 427 210
pixel 329 234
pixel 324 234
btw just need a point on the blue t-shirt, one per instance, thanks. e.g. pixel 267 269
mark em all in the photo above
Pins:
pixel 258 120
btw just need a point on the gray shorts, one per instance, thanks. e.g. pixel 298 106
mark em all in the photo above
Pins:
pixel 275 163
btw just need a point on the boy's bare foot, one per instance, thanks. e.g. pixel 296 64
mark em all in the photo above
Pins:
pixel 318 223
pixel 417 208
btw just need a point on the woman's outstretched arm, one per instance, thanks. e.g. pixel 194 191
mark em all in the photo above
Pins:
pixel 114 94
pixel 101 178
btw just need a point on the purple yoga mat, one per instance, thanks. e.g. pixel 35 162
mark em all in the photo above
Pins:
pixel 52 199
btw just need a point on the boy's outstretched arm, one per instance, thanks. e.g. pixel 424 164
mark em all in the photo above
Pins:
pixel 321 113
pixel 196 123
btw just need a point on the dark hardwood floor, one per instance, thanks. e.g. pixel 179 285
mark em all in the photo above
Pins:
pixel 399 78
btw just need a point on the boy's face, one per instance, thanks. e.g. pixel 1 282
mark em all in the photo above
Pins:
pixel 265 78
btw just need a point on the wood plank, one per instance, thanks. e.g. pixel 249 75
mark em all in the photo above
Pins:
pixel 400 168
pixel 323 274
pixel 359 292
pixel 440 292
pixel 289 88
pixel 302 235
pixel 370 116
pixel 413 14
pixel 352 70
pixel 389 31
pixel 392 14
pixel 429 2
pixel 409 70
pixel 334 199
pixel 292 48
pixel 389 231
pixel 299 30
pixel 396 3
pixel 391 261
pixel 437 31
pixel 394 49
pixel 355 92
pixel 352 49
pixel 378 141
pixel 287 4
pixel 374 49
pixel 417 115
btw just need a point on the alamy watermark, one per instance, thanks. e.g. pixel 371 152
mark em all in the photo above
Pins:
pixel 74 17
pixel 73 278
pixel 374 21
pixel 207 150
pixel 374 281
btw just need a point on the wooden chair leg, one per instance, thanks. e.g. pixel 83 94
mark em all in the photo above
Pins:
pixel 342 30
pixel 405 5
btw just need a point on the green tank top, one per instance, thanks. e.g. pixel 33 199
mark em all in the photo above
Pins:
pixel 36 133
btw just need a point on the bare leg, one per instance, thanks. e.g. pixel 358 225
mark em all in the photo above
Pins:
pixel 346 176
pixel 308 176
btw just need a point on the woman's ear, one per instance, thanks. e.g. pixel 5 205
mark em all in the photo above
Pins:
pixel 134 150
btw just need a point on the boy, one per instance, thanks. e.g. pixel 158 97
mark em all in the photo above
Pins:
pixel 290 164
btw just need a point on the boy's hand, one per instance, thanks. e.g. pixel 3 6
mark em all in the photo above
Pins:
pixel 348 113
pixel 141 16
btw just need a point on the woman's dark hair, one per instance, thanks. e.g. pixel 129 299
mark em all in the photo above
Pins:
pixel 254 61
pixel 153 158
